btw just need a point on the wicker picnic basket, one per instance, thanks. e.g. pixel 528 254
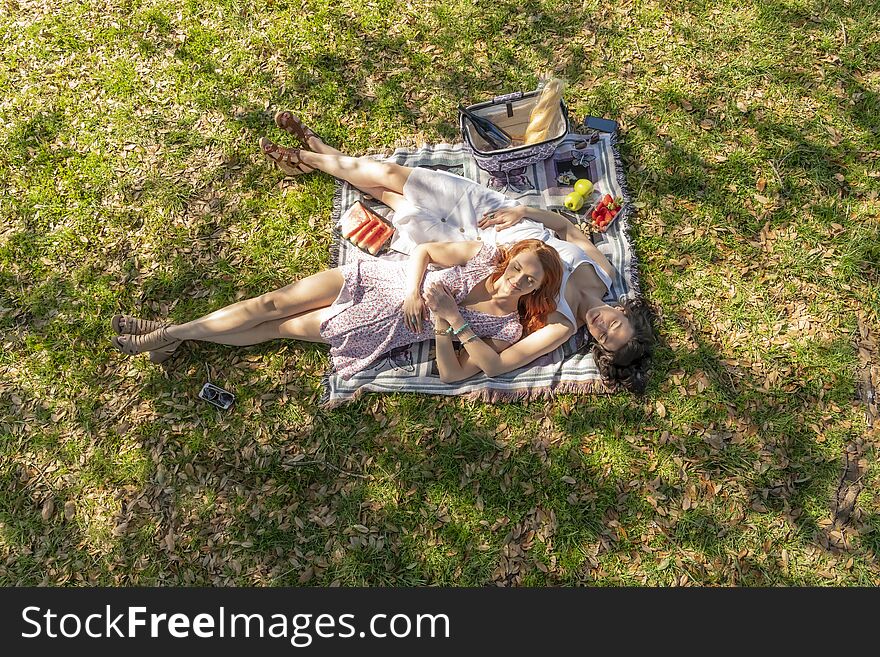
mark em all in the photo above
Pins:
pixel 511 113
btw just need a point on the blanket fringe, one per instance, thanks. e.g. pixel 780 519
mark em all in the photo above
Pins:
pixel 335 255
pixel 486 395
pixel 625 213
pixel 494 395
pixel 335 215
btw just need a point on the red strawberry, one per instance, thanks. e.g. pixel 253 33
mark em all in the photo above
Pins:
pixel 607 200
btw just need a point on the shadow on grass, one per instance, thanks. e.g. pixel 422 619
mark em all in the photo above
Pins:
pixel 760 444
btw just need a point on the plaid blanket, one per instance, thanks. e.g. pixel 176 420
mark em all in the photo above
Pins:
pixel 570 368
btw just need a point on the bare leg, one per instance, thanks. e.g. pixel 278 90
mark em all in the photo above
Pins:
pixel 389 197
pixel 316 291
pixel 381 180
pixel 306 327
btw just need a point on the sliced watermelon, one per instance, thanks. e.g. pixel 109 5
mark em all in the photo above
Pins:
pixel 367 226
pixel 382 236
pixel 351 227
pixel 370 234
pixel 386 236
pixel 348 218
pixel 353 219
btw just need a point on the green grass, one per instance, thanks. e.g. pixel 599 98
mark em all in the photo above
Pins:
pixel 131 180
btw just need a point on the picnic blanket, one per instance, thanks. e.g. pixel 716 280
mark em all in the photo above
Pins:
pixel 570 368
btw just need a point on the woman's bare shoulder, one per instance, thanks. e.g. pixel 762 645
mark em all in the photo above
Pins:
pixel 585 276
pixel 558 322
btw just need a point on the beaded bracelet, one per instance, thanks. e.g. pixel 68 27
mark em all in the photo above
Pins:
pixel 446 332
pixel 460 328
pixel 473 337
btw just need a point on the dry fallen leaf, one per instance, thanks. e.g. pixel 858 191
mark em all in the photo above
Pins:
pixel 48 509
pixel 761 184
pixel 306 575
pixel 69 510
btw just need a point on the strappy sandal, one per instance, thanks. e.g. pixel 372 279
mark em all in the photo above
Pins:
pixel 128 325
pixel 131 345
pixel 290 122
pixel 288 160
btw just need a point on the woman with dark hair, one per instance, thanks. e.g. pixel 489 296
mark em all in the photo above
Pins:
pixel 369 307
pixel 437 205
pixel 628 363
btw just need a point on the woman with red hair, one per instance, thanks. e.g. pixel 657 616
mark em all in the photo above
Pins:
pixel 483 295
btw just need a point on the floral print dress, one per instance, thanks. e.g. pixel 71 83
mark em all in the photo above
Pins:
pixel 366 320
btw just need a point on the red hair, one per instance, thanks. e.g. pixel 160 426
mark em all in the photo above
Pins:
pixel 535 306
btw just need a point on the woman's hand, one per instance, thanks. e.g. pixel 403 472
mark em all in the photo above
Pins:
pixel 414 312
pixel 438 299
pixel 502 218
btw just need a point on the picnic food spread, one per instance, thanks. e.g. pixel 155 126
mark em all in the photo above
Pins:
pixel 575 200
pixel 365 228
pixel 604 212
pixel 543 114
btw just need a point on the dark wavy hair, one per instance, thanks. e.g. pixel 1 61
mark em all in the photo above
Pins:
pixel 628 366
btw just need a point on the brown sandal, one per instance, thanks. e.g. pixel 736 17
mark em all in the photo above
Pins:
pixel 291 123
pixel 288 160
pixel 128 325
pixel 137 344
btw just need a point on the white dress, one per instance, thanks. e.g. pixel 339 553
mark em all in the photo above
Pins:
pixel 443 207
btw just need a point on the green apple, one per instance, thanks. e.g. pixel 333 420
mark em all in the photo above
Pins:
pixel 583 186
pixel 574 201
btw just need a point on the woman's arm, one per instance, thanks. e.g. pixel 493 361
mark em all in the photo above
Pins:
pixel 445 254
pixel 448 362
pixel 480 356
pixel 502 357
pixel 566 230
